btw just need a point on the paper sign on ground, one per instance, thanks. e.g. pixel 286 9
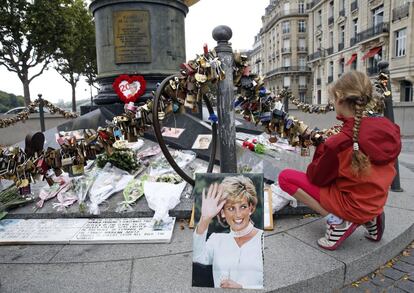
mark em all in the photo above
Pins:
pixel 83 231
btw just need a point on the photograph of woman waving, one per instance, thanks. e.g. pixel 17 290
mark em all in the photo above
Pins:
pixel 226 236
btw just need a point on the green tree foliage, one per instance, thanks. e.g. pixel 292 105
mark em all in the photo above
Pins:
pixel 29 32
pixel 76 54
pixel 10 101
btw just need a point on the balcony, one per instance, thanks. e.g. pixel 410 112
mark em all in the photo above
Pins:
pixel 341 46
pixel 330 20
pixel 353 41
pixel 287 69
pixel 401 12
pixel 342 12
pixel 286 50
pixel 330 51
pixel 302 49
pixel 330 78
pixel 354 5
pixel 318 81
pixel 373 31
pixel 303 87
pixel 372 71
pixel 316 55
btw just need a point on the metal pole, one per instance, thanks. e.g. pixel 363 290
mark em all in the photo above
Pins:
pixel 225 98
pixel 389 113
pixel 41 114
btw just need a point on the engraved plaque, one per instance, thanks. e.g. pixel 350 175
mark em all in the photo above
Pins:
pixel 132 36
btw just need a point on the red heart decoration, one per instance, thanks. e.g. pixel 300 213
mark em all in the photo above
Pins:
pixel 129 88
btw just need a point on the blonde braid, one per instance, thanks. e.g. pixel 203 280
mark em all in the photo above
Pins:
pixel 360 162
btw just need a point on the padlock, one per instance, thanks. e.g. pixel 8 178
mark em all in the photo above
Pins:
pixel 305 152
pixel 67 161
pixel 42 166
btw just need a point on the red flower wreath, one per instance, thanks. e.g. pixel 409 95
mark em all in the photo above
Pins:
pixel 129 88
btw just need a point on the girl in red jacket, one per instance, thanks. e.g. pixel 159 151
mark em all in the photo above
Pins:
pixel 351 172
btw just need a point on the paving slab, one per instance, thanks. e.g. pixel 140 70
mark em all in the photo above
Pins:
pixel 404 267
pixel 393 273
pixel 382 281
pixel 360 255
pixel 290 266
pixel 37 278
pixel 28 253
pixel 181 242
pixel 403 200
pixel 405 285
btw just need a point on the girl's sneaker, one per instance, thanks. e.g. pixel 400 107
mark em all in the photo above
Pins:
pixel 336 234
pixel 375 228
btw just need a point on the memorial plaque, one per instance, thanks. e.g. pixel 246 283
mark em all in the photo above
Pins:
pixel 83 231
pixel 132 36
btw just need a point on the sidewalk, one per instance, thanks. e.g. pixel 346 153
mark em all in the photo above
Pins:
pixel 293 261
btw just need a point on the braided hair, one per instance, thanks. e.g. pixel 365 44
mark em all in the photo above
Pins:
pixel 356 90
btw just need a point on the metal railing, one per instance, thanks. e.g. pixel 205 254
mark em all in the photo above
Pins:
pixel 302 49
pixel 401 12
pixel 316 55
pixel 341 46
pixel 286 50
pixel 354 5
pixel 330 20
pixel 284 69
pixel 302 87
pixel 318 81
pixel 373 31
pixel 353 41
pixel 330 78
pixel 342 12
pixel 330 50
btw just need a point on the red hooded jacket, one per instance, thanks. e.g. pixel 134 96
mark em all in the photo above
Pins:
pixel 356 199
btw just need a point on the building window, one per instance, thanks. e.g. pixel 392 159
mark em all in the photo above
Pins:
pixel 302 81
pixel 302 96
pixel 302 44
pixel 406 91
pixel 286 27
pixel 355 25
pixel 286 7
pixel 302 61
pixel 319 18
pixel 286 45
pixel 301 6
pixel 354 64
pixel 331 9
pixel 400 42
pixel 302 26
pixel 286 61
pixel 331 39
pixel 341 66
pixel 342 34
pixel 377 15
pixel 286 81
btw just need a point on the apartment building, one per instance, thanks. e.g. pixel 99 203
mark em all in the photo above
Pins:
pixel 284 39
pixel 357 34
pixel 256 56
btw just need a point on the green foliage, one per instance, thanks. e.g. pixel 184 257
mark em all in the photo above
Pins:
pixel 29 32
pixel 76 54
pixel 10 101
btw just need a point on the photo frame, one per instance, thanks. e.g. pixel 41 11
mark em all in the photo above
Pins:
pixel 228 248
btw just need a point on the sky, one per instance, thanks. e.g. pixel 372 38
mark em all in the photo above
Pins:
pixel 243 16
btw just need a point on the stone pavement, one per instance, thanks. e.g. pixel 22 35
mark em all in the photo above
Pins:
pixel 293 261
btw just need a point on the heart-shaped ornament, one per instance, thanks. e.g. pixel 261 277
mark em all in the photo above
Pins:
pixel 129 88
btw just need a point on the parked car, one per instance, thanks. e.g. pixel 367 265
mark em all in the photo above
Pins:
pixel 19 109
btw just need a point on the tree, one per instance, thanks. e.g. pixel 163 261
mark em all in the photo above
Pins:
pixel 29 31
pixel 76 54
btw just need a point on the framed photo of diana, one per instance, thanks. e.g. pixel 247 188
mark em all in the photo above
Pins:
pixel 228 233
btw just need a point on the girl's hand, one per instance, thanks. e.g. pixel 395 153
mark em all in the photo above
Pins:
pixel 227 283
pixel 211 206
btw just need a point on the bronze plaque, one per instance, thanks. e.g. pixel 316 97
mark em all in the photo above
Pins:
pixel 132 36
